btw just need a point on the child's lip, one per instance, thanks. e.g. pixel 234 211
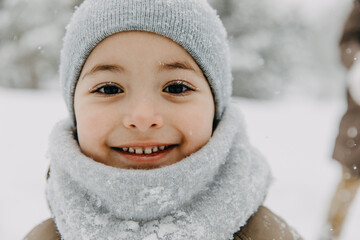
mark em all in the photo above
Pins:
pixel 144 144
pixel 145 157
pixel 143 148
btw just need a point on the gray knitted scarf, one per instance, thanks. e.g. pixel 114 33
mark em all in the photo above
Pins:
pixel 208 195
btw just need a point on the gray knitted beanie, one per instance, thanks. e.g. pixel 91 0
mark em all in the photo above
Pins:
pixel 193 24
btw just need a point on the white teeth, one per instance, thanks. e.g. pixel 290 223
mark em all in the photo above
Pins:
pixel 155 149
pixel 148 150
pixel 138 151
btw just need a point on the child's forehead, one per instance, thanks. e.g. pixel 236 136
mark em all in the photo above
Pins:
pixel 141 46
pixel 143 38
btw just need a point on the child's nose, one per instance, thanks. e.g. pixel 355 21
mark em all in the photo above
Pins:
pixel 143 116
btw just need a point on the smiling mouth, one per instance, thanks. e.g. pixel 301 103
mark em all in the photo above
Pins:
pixel 144 150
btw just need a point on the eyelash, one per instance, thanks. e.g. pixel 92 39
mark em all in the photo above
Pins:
pixel 188 87
pixel 100 89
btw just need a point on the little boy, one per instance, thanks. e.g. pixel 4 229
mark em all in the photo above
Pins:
pixel 153 149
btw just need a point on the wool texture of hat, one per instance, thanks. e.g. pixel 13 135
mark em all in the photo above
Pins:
pixel 193 24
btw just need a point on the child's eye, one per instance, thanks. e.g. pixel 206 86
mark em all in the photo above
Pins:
pixel 107 89
pixel 178 87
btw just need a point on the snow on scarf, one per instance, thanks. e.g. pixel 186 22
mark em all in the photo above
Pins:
pixel 208 195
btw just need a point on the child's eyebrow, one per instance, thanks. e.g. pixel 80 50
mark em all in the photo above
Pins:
pixel 105 67
pixel 184 65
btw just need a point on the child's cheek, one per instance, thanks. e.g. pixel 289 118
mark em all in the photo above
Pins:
pixel 92 129
pixel 196 127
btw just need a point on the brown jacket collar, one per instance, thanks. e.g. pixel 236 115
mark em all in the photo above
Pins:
pixel 263 225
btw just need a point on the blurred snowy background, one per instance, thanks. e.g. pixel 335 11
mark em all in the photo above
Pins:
pixel 287 73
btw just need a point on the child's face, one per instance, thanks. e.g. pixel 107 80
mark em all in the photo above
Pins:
pixel 142 102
